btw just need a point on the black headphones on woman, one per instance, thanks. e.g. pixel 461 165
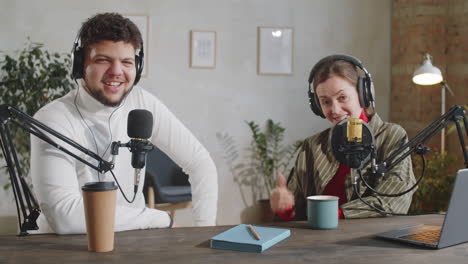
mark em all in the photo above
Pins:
pixel 78 58
pixel 365 86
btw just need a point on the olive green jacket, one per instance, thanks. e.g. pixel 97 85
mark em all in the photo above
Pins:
pixel 316 166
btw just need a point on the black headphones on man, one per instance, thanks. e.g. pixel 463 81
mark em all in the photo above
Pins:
pixel 78 57
pixel 365 86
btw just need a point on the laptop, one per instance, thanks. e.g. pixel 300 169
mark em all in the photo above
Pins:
pixel 453 231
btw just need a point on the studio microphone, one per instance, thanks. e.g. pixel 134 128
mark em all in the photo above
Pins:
pixel 352 143
pixel 139 129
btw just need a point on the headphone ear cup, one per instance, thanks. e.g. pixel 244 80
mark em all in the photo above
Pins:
pixel 366 92
pixel 139 68
pixel 78 63
pixel 315 104
pixel 361 88
pixel 139 64
pixel 370 92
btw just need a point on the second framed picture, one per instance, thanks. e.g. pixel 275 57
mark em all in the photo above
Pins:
pixel 203 49
pixel 275 50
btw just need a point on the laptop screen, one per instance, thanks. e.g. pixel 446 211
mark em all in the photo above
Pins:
pixel 454 230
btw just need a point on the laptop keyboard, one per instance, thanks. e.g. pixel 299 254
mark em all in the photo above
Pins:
pixel 429 236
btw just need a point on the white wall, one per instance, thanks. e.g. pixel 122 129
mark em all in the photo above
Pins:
pixel 221 99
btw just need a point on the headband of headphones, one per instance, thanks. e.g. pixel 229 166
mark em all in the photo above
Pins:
pixel 353 60
pixel 78 57
pixel 365 86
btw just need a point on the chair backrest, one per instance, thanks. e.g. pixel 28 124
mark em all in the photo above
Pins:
pixel 163 171
pixel 169 182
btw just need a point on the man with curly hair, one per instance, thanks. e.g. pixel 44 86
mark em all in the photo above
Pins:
pixel 108 62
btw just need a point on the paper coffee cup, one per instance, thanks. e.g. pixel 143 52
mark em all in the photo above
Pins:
pixel 99 204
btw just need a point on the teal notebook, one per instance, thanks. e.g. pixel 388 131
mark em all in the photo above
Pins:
pixel 241 239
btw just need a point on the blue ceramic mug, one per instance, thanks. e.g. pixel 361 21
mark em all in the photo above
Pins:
pixel 322 211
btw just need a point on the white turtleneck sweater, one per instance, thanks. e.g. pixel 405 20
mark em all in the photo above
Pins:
pixel 58 178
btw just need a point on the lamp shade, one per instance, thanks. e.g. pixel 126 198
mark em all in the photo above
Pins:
pixel 427 74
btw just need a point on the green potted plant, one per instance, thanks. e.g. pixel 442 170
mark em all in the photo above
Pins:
pixel 434 190
pixel 269 155
pixel 29 80
pixel 266 156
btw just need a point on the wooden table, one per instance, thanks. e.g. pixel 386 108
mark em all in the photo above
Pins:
pixel 352 242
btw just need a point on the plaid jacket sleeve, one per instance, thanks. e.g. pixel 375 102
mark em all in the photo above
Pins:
pixel 300 181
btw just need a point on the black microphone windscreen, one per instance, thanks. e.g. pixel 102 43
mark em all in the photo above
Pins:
pixel 352 154
pixel 140 124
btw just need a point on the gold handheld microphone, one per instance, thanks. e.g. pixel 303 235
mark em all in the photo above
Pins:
pixel 354 130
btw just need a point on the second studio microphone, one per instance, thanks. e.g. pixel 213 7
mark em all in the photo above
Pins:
pixel 352 142
pixel 139 129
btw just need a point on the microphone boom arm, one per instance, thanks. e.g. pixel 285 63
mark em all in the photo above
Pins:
pixel 26 204
pixel 454 114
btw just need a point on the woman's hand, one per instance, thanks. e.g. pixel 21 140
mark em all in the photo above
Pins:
pixel 281 199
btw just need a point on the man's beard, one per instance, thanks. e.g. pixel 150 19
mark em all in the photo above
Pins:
pixel 100 96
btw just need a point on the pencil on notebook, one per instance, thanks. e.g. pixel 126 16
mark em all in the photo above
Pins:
pixel 254 233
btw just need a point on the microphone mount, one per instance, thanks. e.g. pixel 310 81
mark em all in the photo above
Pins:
pixel 136 145
pixel 139 147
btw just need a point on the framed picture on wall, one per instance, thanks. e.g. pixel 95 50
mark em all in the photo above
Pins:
pixel 142 22
pixel 274 50
pixel 202 49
